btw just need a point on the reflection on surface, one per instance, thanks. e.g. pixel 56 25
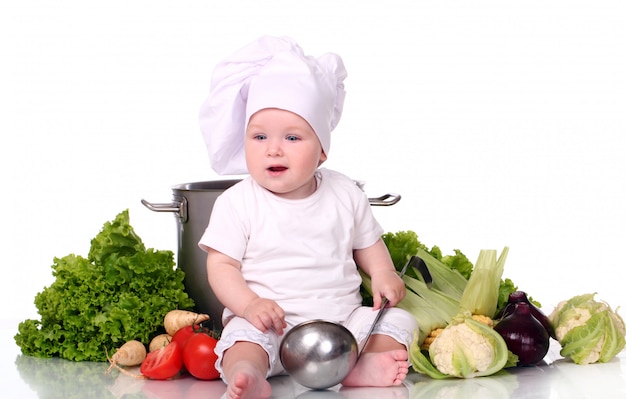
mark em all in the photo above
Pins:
pixel 493 387
pixel 325 394
pixel 400 392
pixel 59 378
pixel 338 392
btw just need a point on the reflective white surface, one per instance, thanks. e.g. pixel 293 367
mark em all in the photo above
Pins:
pixel 28 377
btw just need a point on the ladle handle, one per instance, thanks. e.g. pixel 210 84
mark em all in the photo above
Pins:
pixel 383 306
pixel 369 333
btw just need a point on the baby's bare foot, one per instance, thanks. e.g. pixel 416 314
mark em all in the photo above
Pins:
pixel 380 369
pixel 248 383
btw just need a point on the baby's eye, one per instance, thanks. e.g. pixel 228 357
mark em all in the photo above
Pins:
pixel 259 137
pixel 291 137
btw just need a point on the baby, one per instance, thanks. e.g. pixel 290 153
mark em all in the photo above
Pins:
pixel 284 245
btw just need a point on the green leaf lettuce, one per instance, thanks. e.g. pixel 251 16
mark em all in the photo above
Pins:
pixel 121 291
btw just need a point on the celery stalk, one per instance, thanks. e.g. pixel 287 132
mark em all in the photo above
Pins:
pixel 481 293
pixel 446 280
pixel 431 308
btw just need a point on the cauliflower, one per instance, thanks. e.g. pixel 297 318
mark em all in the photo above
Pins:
pixel 464 349
pixel 578 317
pixel 589 331
pixel 460 345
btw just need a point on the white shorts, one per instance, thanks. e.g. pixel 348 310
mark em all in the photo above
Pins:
pixel 396 323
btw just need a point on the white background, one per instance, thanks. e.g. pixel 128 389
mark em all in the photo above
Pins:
pixel 499 123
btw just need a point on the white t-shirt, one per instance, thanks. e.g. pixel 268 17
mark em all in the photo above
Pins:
pixel 297 252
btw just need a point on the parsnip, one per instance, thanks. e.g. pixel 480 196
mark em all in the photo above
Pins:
pixel 177 319
pixel 159 342
pixel 132 353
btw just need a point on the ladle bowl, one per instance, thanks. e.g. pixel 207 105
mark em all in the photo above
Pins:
pixel 318 354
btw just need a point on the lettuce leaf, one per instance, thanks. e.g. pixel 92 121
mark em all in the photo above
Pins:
pixel 121 291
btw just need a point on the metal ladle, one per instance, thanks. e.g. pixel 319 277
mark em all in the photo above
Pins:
pixel 319 354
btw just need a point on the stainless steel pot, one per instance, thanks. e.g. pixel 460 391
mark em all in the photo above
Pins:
pixel 192 204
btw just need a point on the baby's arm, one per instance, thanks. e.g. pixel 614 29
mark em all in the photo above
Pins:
pixel 376 262
pixel 231 289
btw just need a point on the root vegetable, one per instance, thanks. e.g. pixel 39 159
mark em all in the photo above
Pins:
pixel 132 353
pixel 177 319
pixel 159 342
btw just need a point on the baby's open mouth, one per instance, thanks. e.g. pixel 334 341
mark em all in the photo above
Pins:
pixel 277 168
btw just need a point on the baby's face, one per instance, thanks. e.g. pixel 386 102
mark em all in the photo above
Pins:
pixel 283 152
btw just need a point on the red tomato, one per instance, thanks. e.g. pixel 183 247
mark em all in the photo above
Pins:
pixel 163 363
pixel 181 336
pixel 199 356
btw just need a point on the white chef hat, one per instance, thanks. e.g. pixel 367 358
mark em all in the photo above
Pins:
pixel 272 72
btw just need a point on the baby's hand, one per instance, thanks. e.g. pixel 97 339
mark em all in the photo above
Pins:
pixel 265 314
pixel 387 284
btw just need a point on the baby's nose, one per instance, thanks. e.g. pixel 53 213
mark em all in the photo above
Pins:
pixel 274 149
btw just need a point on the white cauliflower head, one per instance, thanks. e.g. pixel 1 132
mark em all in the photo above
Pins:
pixel 461 341
pixel 577 317
pixel 468 349
pixel 589 331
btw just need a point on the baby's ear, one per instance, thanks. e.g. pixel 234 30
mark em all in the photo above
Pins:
pixel 323 158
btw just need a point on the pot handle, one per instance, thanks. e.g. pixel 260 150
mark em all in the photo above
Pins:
pixel 179 208
pixel 385 200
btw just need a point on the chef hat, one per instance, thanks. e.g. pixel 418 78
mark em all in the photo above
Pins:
pixel 272 72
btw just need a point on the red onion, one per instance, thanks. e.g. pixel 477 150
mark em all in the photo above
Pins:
pixel 520 296
pixel 524 335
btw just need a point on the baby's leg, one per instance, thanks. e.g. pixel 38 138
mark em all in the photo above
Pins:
pixel 245 366
pixel 384 362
